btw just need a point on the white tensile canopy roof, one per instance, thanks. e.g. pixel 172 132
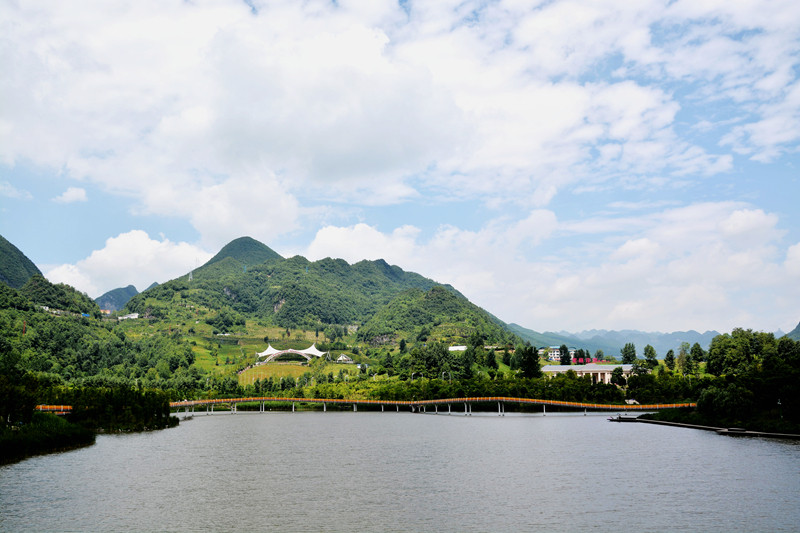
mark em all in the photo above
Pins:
pixel 266 353
pixel 271 353
pixel 312 350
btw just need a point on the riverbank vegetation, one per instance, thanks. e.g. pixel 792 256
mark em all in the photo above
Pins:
pixel 752 381
pixel 44 433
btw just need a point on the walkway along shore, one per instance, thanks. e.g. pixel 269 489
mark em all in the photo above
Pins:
pixel 733 432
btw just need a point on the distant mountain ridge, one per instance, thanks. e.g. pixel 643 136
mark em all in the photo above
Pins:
pixel 662 342
pixel 115 299
pixel 612 341
pixel 15 267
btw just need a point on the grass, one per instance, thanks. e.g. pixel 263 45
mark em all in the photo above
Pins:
pixel 286 370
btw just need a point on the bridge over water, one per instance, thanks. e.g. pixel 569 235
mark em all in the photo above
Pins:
pixel 418 406
pixel 422 406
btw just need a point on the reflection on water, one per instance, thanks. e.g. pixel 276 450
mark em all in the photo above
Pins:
pixel 368 471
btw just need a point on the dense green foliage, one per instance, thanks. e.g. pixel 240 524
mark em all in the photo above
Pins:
pixel 417 312
pixel 58 297
pixel 754 383
pixel 244 251
pixel 118 407
pixel 44 433
pixel 795 333
pixel 290 292
pixel 15 268
pixel 628 353
pixel 75 349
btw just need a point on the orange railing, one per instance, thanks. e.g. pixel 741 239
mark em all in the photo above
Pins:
pixel 421 403
pixel 64 409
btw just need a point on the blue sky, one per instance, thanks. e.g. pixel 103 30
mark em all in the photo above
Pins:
pixel 566 165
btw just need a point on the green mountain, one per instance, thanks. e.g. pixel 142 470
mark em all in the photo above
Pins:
pixel 795 333
pixel 15 268
pixel 439 313
pixel 298 293
pixel 115 299
pixel 236 256
pixel 58 296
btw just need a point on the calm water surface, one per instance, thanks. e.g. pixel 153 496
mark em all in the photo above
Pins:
pixel 368 471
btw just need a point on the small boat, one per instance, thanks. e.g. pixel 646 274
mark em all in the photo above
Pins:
pixel 621 418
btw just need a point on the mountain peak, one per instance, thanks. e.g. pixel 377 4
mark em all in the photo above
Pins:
pixel 246 250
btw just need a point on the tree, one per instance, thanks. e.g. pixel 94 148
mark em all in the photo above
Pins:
pixel 565 357
pixel 490 360
pixel 683 353
pixel 599 355
pixel 650 357
pixel 698 354
pixel 669 359
pixel 506 356
pixel 528 361
pixel 618 377
pixel 685 362
pixel 628 353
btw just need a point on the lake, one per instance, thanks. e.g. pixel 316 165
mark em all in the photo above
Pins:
pixel 373 471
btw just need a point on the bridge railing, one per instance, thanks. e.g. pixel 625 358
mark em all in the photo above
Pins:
pixel 63 409
pixel 440 401
pixel 57 409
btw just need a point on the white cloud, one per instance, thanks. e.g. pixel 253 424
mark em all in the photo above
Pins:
pixel 131 258
pixel 362 241
pixel 352 102
pixel 10 191
pixel 792 262
pixel 266 123
pixel 71 195
pixel 670 269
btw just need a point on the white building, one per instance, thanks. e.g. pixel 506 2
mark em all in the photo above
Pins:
pixel 553 353
pixel 598 373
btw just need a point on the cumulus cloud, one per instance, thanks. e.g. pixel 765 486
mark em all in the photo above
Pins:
pixel 263 118
pixel 71 195
pixel 131 258
pixel 373 104
pixel 680 266
pixel 792 262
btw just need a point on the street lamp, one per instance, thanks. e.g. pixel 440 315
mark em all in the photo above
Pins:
pixel 413 374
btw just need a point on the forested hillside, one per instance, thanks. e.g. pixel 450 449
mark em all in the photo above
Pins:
pixel 58 297
pixel 436 313
pixel 115 299
pixel 244 251
pixel 795 333
pixel 15 268
pixel 291 293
